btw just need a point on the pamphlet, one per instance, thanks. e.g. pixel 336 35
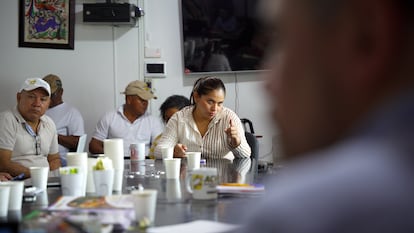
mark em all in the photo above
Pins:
pixel 114 202
pixel 115 209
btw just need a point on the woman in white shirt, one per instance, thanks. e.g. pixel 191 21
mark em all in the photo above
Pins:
pixel 206 125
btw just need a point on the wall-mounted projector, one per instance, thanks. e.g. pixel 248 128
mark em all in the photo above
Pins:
pixel 111 13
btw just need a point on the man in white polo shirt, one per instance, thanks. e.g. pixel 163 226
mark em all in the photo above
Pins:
pixel 27 136
pixel 68 120
pixel 131 122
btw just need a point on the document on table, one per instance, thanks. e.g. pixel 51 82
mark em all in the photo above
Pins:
pixel 199 226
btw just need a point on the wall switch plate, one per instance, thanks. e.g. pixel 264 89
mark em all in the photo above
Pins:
pixel 152 52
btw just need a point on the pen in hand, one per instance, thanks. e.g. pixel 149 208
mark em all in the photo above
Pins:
pixel 18 177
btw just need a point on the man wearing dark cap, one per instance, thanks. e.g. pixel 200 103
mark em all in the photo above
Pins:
pixel 68 120
pixel 28 137
pixel 131 122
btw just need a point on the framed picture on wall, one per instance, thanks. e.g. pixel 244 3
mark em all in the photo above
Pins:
pixel 47 24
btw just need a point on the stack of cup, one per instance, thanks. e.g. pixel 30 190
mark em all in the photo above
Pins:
pixel 72 181
pixel 103 176
pixel 79 160
pixel 114 149
pixel 11 196
pixel 4 200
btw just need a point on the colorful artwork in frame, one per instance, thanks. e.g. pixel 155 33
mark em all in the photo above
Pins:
pixel 46 24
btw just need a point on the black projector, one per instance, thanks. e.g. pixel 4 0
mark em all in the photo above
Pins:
pixel 111 13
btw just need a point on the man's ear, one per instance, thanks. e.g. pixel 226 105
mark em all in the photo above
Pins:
pixel 127 99
pixel 18 96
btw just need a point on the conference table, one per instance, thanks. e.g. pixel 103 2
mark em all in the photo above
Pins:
pixel 175 204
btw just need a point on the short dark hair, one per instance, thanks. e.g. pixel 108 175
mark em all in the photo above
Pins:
pixel 205 85
pixel 174 101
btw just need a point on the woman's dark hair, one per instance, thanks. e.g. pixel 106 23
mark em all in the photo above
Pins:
pixel 174 101
pixel 205 85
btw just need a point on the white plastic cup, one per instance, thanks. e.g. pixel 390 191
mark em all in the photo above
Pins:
pixel 103 180
pixel 16 194
pixel 167 152
pixel 4 200
pixel 79 160
pixel 172 168
pixel 193 160
pixel 141 151
pixel 145 203
pixel 71 184
pixel 114 149
pixel 39 177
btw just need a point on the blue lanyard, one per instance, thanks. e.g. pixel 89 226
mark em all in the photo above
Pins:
pixel 35 136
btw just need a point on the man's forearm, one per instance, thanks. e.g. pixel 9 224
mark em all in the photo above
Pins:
pixel 15 169
pixel 70 142
pixel 54 162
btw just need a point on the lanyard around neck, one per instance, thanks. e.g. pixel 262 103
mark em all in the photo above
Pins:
pixel 30 130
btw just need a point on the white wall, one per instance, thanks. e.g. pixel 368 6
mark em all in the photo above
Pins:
pixel 106 59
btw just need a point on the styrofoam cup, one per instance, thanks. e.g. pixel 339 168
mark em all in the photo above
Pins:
pixel 16 194
pixel 172 168
pixel 39 177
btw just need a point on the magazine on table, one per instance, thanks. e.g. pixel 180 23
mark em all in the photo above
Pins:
pixel 121 202
pixel 84 212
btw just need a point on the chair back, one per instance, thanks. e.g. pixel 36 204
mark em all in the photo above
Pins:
pixel 81 144
pixel 248 125
pixel 253 143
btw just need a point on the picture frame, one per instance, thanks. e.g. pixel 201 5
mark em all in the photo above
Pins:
pixel 47 24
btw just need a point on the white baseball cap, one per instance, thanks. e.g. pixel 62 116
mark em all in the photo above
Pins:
pixel 34 83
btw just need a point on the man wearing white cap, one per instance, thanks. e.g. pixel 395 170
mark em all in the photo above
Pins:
pixel 131 122
pixel 27 136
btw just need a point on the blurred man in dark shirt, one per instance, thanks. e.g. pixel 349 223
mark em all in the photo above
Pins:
pixel 341 82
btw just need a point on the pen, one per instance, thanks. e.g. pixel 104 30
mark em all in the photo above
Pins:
pixel 18 177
